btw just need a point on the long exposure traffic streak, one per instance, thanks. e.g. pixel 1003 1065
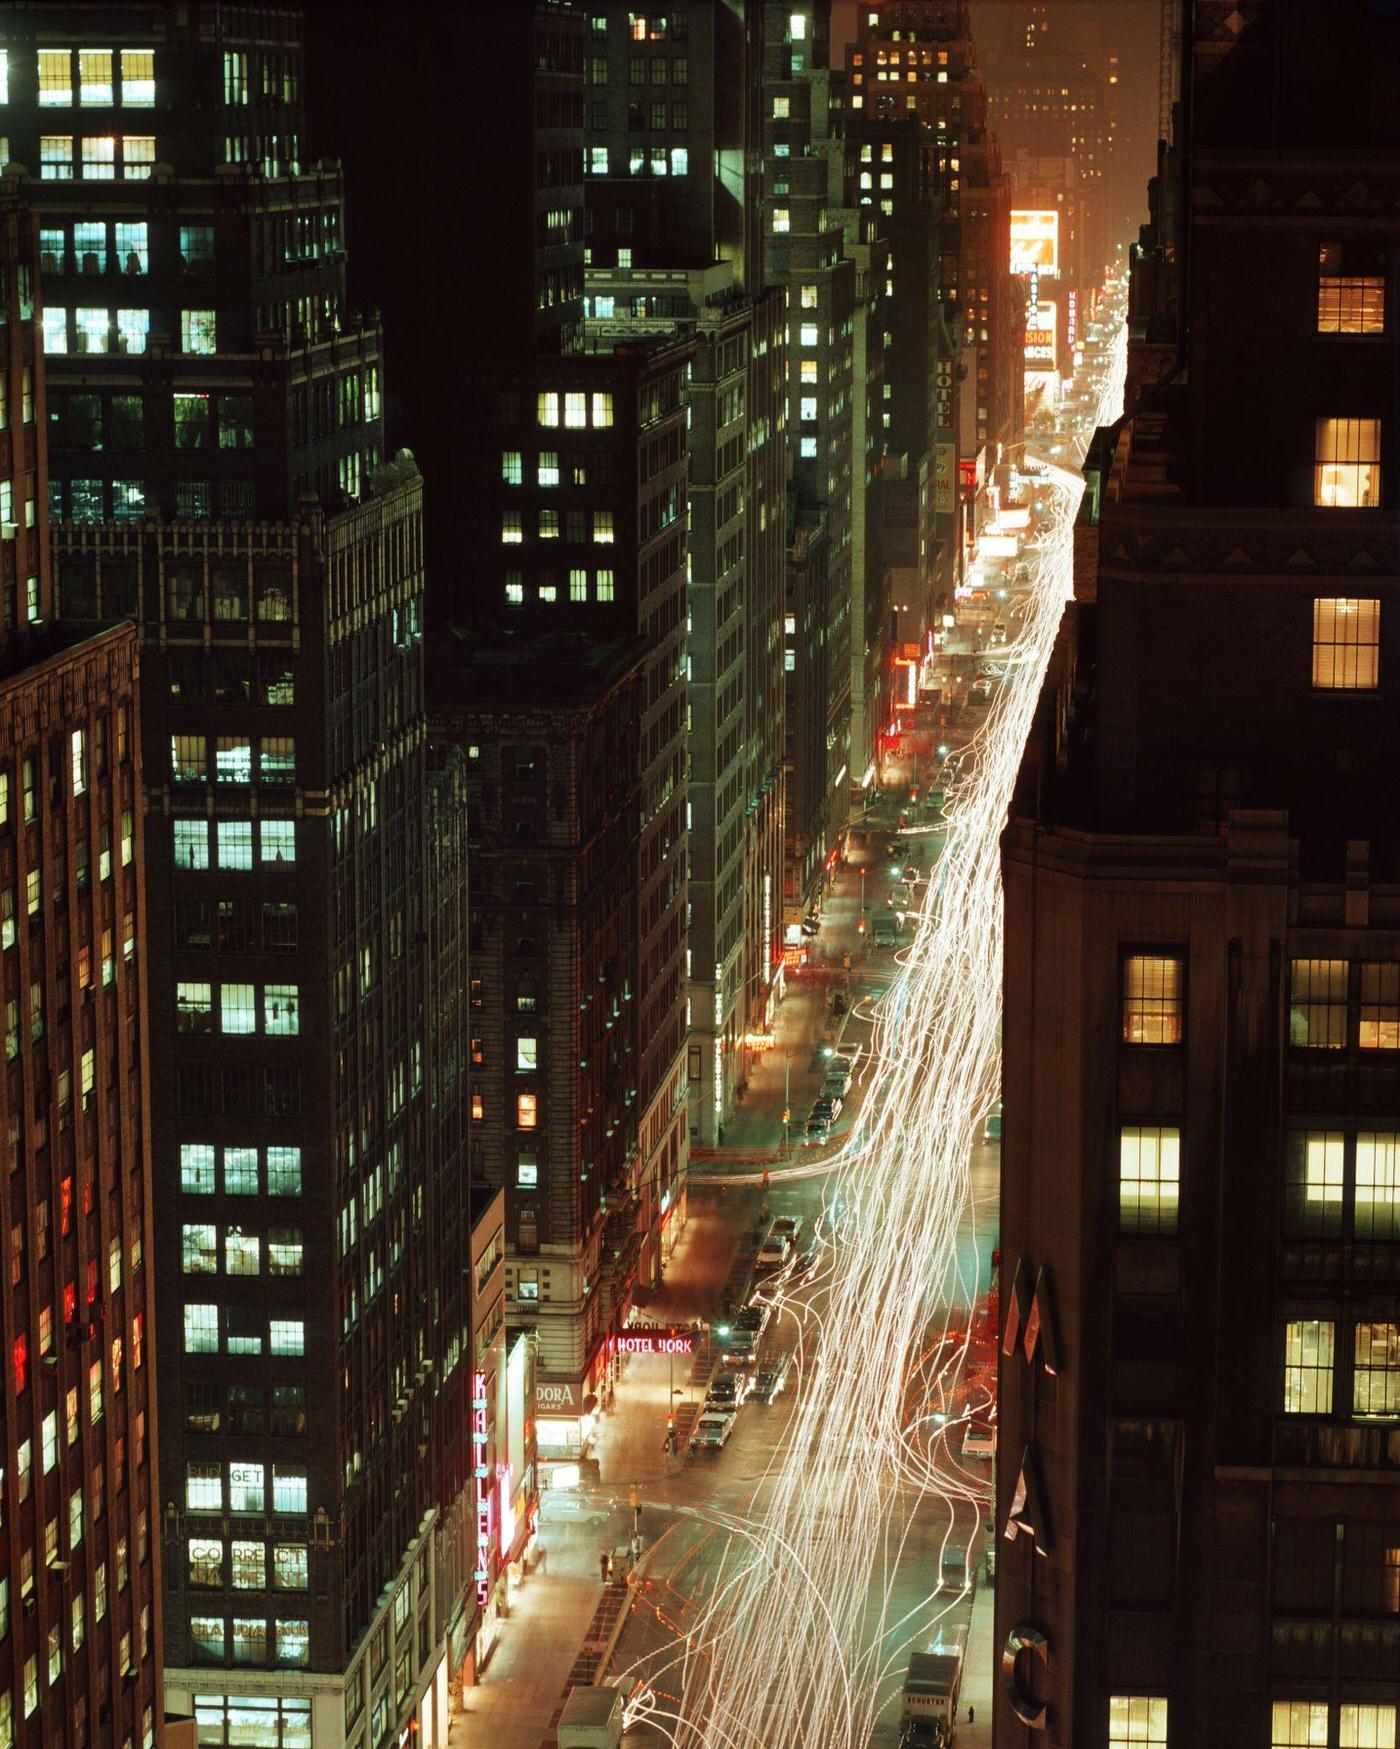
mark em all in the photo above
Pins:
pixel 804 1635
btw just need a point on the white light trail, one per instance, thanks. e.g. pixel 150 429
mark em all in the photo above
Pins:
pixel 803 1641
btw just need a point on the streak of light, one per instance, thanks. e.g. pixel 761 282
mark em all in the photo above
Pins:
pixel 823 1588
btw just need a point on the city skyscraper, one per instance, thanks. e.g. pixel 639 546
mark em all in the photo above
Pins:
pixel 218 476
pixel 1200 1235
pixel 80 1598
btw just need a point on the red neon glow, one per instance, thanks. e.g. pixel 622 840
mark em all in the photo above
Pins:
pixel 655 1344
pixel 483 1490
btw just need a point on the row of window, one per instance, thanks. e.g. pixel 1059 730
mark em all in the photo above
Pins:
pixel 575 407
pixel 236 925
pixel 242 1564
pixel 603 587
pixel 100 78
pixel 284 1644
pixel 1335 1186
pixel 641 161
pixel 243 1252
pixel 233 759
pixel 242 1331
pixel 223 1721
pixel 1309 1367
pixel 274 1170
pixel 1332 1003
pixel 99 157
pixel 125 500
pixel 233 676
pixel 275 839
pixel 1139 1721
pixel 238 1009
pixel 246 1410
pixel 555 525
pixel 198 421
pixel 91 329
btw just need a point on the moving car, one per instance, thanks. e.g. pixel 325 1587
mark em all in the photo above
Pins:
pixel 884 930
pixel 911 873
pixel 999 632
pixel 712 1430
pixel 769 1383
pixel 728 1393
pixel 805 1266
pixel 899 897
pixel 979 1441
pixel 811 923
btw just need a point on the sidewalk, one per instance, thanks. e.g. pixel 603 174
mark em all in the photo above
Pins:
pixel 979 1672
pixel 521 1688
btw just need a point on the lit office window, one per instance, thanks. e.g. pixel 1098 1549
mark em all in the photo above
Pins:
pixel 782 218
pixel 99 158
pixel 55 157
pixel 138 156
pixel 1317 1004
pixel 527 1111
pixel 197 331
pixel 1137 1719
pixel 1308 1345
pixel 1350 289
pixel 1149 1179
pixel 55 78
pixel 1376 1370
pixel 1298 1724
pixel 95 88
pixel 138 78
pixel 1346 644
pixel 1380 1007
pixel 1366 1726
pixel 1152 999
pixel 1377 1205
pixel 1316 1183
pixel 1347 464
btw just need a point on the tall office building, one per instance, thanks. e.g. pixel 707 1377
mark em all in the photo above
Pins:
pixel 674 246
pixel 917 58
pixel 555 998
pixel 1199 1451
pixel 217 476
pixel 80 1598
pixel 805 254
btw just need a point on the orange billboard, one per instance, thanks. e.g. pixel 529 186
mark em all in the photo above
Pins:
pixel 1035 242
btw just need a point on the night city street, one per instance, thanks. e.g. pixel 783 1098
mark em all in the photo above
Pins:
pixel 699 874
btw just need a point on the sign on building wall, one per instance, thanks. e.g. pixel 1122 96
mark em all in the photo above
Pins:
pixel 1035 242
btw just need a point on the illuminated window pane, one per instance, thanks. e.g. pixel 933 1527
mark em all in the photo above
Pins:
pixel 1316 1183
pixel 1377 1212
pixel 1308 1345
pixel 526 1111
pixel 1137 1719
pixel 1366 1726
pixel 1347 457
pixel 1346 644
pixel 1380 1008
pixel 1152 998
pixel 1376 1375
pixel 95 78
pixel 1350 290
pixel 55 78
pixel 138 78
pixel 1298 1724
pixel 1317 1007
pixel 100 158
pixel 1149 1179
pixel 782 218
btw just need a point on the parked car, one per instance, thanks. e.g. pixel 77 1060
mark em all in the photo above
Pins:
pixel 740 1346
pixel 841 1060
pixel 754 1317
pixel 828 1107
pixel 728 1392
pixel 770 1382
pixel 836 1084
pixel 884 930
pixel 788 1226
pixel 775 1249
pixel 817 1132
pixel 712 1430
pixel 979 1441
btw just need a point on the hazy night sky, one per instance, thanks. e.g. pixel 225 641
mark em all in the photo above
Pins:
pixel 1090 29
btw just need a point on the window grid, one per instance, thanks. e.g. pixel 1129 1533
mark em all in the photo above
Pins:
pixel 1346 456
pixel 1317 1006
pixel 1346 644
pixel 1309 1346
pixel 1152 999
pixel 1149 1179
pixel 1138 1719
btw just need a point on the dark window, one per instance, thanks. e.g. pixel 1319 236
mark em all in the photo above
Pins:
pixel 128 422
pixel 203 1409
pixel 283 1092
pixel 195 1089
pixel 279 917
pixel 1305 1559
pixel 235 421
pixel 192 925
pixel 120 595
pixel 233 677
pixel 241 1089
pixel 238 926
pixel 192 422
pixel 245 1409
pixel 288 1410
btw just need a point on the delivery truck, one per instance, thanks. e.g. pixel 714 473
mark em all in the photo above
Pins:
pixel 591 1719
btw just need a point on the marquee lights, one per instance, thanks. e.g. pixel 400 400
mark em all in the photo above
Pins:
pixel 483 1493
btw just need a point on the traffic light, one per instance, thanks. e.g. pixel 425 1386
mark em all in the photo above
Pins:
pixel 787 1115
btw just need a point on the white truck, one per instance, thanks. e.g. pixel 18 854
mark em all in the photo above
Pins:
pixel 930 1698
pixel 591 1719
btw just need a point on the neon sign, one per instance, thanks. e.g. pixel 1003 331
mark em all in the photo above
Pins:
pixel 483 1491
pixel 643 1339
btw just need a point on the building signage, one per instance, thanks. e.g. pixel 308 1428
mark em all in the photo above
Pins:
pixel 654 1339
pixel 943 393
pixel 1024 1638
pixel 1030 1321
pixel 1040 334
pixel 944 457
pixel 1073 319
pixel 557 1397
pixel 1027 1515
pixel 1035 242
pixel 483 1491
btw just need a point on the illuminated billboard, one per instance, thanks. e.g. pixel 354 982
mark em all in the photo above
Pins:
pixel 1035 242
pixel 1040 336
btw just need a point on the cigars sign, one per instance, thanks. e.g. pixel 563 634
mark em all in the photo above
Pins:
pixel 1028 1341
